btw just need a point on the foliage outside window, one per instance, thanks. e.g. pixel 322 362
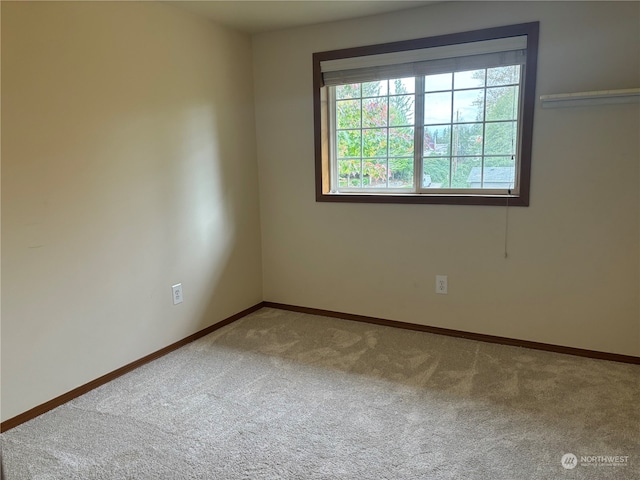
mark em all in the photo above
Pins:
pixel 458 131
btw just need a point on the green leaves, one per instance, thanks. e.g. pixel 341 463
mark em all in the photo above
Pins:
pixel 470 124
pixel 375 126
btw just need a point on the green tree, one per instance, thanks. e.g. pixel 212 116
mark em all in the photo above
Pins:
pixel 500 135
pixel 371 125
pixel 501 106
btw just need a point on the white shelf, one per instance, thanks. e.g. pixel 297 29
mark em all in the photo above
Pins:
pixel 600 97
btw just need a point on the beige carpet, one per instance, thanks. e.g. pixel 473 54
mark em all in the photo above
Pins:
pixel 282 395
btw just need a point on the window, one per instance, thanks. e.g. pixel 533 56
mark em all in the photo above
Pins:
pixel 444 119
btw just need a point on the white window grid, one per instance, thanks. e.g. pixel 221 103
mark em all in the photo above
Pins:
pixel 419 124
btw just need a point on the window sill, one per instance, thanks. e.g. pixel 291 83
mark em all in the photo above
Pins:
pixel 421 198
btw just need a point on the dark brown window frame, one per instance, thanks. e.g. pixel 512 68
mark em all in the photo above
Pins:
pixel 320 107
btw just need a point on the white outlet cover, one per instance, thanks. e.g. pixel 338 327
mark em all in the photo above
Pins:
pixel 442 284
pixel 177 293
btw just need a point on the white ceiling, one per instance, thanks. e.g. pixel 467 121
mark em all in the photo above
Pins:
pixel 253 16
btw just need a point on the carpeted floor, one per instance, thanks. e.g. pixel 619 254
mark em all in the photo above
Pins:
pixel 282 395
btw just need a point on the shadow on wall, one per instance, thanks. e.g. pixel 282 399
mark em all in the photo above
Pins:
pixel 128 166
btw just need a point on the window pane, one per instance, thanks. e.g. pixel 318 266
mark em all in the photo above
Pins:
pixel 502 103
pixel 348 91
pixel 437 108
pixel 470 79
pixel 374 89
pixel 500 138
pixel 399 86
pixel 401 141
pixel 467 139
pixel 349 143
pixel 433 83
pixel 401 172
pixel 349 173
pixel 374 112
pixel 348 114
pixel 504 176
pixel 437 140
pixel 435 173
pixel 507 161
pixel 499 172
pixel 402 110
pixel 462 171
pixel 374 173
pixel 468 105
pixel 374 142
pixel 503 75
pixel 498 177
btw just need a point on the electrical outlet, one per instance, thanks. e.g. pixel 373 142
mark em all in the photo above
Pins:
pixel 177 293
pixel 442 284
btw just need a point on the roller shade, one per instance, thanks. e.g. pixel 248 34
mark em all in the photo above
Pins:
pixel 426 61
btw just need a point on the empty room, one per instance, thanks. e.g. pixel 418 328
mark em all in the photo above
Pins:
pixel 320 240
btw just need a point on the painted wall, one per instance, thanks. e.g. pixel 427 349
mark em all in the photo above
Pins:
pixel 128 165
pixel 572 273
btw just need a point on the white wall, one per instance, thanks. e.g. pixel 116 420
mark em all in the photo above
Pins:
pixel 572 273
pixel 128 165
